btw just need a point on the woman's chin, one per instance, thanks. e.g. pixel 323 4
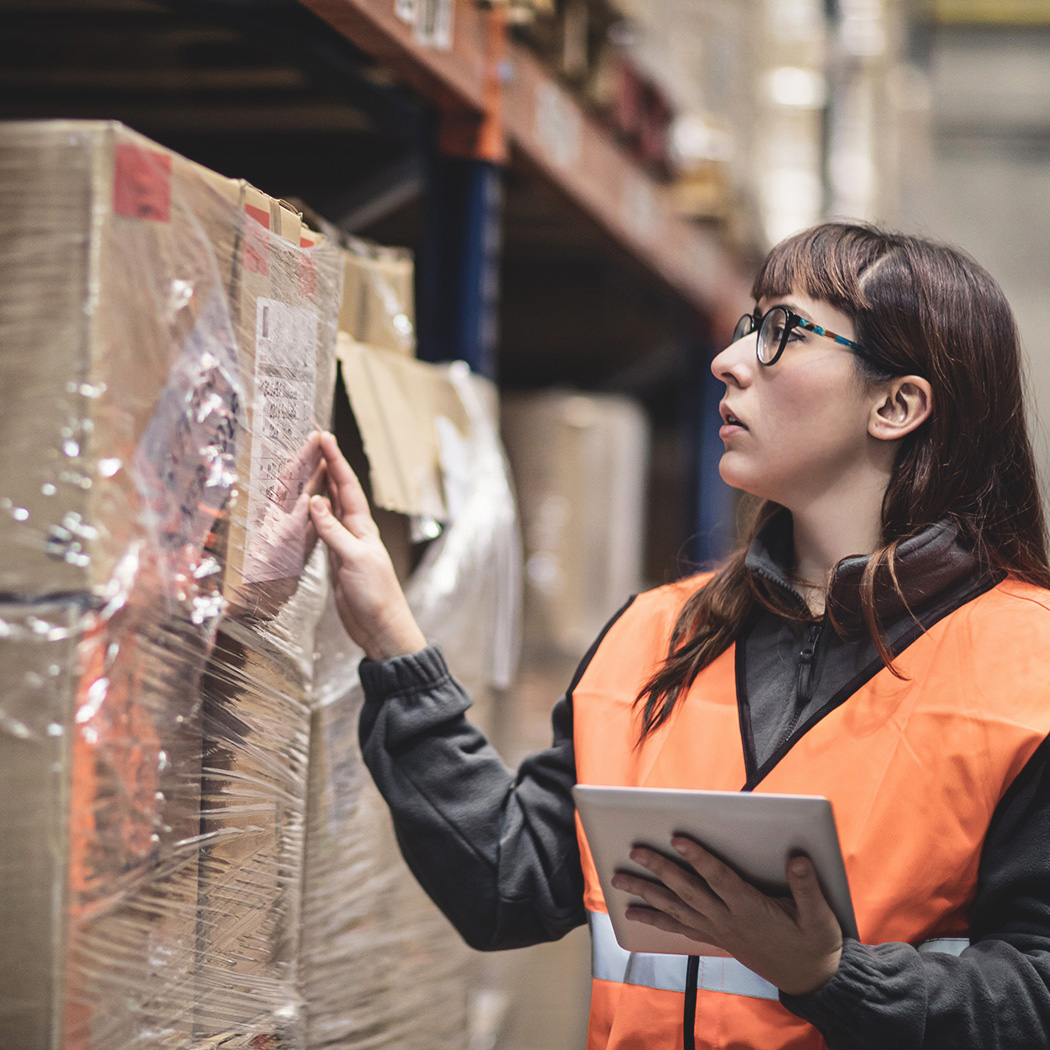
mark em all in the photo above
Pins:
pixel 738 479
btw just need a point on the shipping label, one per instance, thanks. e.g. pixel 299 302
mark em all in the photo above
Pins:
pixel 285 448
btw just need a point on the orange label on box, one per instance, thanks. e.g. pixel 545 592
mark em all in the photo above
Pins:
pixel 115 769
pixel 142 183
pixel 307 271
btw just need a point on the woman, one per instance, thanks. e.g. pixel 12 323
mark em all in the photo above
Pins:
pixel 882 638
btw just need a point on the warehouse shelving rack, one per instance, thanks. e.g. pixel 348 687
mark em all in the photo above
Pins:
pixel 470 119
pixel 495 94
pixel 496 101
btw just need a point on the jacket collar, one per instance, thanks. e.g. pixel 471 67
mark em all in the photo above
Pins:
pixel 928 565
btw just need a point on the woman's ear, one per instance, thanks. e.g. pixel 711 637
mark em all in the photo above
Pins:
pixel 904 404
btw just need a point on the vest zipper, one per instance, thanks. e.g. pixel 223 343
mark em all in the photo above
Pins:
pixel 803 681
pixel 804 677
pixel 781 585
pixel 807 657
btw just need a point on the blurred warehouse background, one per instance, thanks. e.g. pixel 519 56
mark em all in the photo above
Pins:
pixel 568 195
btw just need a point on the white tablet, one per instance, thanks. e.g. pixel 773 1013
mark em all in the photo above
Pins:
pixel 755 834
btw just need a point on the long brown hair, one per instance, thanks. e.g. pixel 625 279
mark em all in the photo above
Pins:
pixel 924 309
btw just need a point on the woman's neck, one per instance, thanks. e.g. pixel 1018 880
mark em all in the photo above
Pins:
pixel 824 536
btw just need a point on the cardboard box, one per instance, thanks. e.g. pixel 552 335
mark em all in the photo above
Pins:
pixel 169 352
pixel 378 304
pixel 256 728
pixel 380 966
pixel 580 465
pixel 100 740
pixel 119 388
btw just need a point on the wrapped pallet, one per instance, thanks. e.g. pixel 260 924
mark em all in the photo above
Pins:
pixel 381 966
pixel 170 341
pixel 255 693
pixel 168 357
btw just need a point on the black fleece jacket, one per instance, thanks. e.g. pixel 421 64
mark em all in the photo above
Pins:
pixel 496 849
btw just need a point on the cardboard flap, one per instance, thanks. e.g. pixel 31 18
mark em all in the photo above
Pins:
pixel 396 400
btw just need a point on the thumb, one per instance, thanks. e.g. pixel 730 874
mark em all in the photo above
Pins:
pixel 328 526
pixel 813 908
pixel 320 508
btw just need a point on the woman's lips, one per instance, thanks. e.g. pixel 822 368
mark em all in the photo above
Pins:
pixel 731 422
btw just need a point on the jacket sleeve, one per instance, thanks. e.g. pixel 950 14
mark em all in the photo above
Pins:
pixel 495 850
pixel 996 994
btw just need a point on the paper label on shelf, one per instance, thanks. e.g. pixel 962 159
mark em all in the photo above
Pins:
pixel 559 127
pixel 433 21
pixel 285 453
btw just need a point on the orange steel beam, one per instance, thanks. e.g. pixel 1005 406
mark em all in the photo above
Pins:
pixel 490 91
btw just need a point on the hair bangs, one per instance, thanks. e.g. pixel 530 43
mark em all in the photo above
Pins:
pixel 826 262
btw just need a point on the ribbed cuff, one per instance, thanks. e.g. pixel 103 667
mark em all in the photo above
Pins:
pixel 869 998
pixel 403 675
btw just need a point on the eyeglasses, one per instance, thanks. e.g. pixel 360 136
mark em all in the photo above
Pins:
pixel 774 330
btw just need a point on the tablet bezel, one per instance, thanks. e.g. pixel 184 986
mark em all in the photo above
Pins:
pixel 755 833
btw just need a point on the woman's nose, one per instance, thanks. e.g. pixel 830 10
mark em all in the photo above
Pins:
pixel 735 362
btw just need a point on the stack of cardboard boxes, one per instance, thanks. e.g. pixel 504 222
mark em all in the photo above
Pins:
pixel 194 856
pixel 169 351
pixel 114 316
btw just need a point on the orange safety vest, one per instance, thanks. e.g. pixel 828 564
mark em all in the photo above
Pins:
pixel 914 769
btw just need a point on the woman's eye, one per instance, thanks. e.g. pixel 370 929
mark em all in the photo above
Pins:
pixel 797 335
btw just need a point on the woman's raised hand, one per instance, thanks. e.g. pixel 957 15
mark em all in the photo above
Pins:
pixel 794 943
pixel 369 598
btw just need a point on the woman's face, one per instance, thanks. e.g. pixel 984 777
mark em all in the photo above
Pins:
pixel 796 431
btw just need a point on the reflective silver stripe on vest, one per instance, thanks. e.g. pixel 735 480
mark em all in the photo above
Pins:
pixel 948 945
pixel 610 962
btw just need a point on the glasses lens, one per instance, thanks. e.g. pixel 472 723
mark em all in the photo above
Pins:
pixel 771 334
pixel 745 326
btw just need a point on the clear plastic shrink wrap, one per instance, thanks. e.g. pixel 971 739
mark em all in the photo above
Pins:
pixel 167 354
pixel 381 966
pixel 256 688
